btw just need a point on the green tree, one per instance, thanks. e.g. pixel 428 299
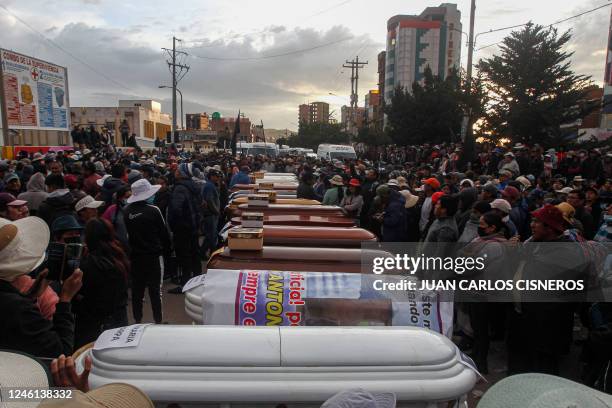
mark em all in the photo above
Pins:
pixel 430 113
pixel 533 91
pixel 313 134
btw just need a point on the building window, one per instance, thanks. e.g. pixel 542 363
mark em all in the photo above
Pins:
pixel 450 44
pixel 149 129
pixel 161 130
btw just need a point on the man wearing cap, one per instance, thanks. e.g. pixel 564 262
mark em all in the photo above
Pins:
pixel 149 240
pixel 430 186
pixel 503 208
pixel 12 184
pixel 58 202
pixel 86 209
pixel 11 208
pixel 242 177
pixel 66 230
pixel 489 192
pixel 509 163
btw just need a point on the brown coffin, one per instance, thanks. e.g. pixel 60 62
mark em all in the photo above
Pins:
pixel 347 260
pixel 292 209
pixel 330 237
pixel 303 220
pixel 277 186
pixel 294 201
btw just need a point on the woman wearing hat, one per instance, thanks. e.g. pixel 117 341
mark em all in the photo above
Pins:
pixel 22 326
pixel 352 202
pixel 335 194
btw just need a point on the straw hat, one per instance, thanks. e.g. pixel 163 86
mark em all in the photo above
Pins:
pixel 336 180
pixel 108 396
pixel 568 211
pixel 22 246
pixel 542 391
pixel 19 370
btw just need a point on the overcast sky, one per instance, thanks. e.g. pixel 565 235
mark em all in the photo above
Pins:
pixel 122 40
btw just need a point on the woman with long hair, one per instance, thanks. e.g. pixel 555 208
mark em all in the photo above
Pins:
pixel 352 202
pixel 101 304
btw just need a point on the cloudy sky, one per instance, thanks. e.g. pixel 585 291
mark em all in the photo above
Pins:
pixel 233 44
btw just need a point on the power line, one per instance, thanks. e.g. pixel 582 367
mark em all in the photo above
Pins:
pixel 264 57
pixel 547 25
pixel 65 51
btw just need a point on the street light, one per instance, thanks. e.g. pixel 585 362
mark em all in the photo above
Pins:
pixel 180 93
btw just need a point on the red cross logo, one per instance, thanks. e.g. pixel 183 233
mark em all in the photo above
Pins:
pixel 34 73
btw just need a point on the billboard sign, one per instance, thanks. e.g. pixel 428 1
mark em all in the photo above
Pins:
pixel 35 93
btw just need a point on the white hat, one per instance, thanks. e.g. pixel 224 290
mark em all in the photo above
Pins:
pixel 100 181
pixel 564 190
pixel 87 202
pixel 524 181
pixel 519 146
pixel 578 179
pixel 501 205
pixel 360 398
pixel 18 370
pixel 22 246
pixel 142 190
pixel 86 151
pixel 510 154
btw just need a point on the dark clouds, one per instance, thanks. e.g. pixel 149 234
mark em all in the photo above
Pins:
pixel 268 89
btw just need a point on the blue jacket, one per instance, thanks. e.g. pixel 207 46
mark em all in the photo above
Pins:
pixel 394 220
pixel 240 178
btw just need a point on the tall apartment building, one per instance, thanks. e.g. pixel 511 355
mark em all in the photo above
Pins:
pixel 432 39
pixel 314 112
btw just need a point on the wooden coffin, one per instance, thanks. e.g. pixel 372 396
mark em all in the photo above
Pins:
pixel 295 209
pixel 304 220
pixel 294 201
pixel 316 236
pixel 277 187
pixel 304 259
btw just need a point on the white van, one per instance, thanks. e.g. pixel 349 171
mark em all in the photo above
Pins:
pixel 340 152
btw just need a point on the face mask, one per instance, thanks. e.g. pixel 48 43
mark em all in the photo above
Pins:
pixel 151 199
pixel 608 218
pixel 482 232
pixel 73 240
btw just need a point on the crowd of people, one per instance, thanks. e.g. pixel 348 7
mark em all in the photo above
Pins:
pixel 136 218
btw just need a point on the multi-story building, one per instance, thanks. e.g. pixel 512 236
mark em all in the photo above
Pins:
pixel 352 123
pixel 314 112
pixel 373 109
pixel 197 121
pixel 225 127
pixel 143 117
pixel 432 39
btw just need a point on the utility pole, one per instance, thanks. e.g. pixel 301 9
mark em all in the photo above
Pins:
pixel 355 66
pixel 468 137
pixel 176 77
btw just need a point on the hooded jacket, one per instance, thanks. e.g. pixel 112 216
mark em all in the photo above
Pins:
pixel 467 198
pixel 35 193
pixel 60 202
pixel 394 219
pixel 184 208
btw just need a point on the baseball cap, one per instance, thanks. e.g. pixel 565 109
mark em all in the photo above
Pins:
pixel 10 177
pixel 502 205
pixel 432 182
pixel 7 199
pixel 87 202
pixel 565 190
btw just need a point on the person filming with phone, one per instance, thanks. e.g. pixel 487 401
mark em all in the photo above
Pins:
pixel 22 324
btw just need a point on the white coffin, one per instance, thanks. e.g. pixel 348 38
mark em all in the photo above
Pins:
pixel 211 365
